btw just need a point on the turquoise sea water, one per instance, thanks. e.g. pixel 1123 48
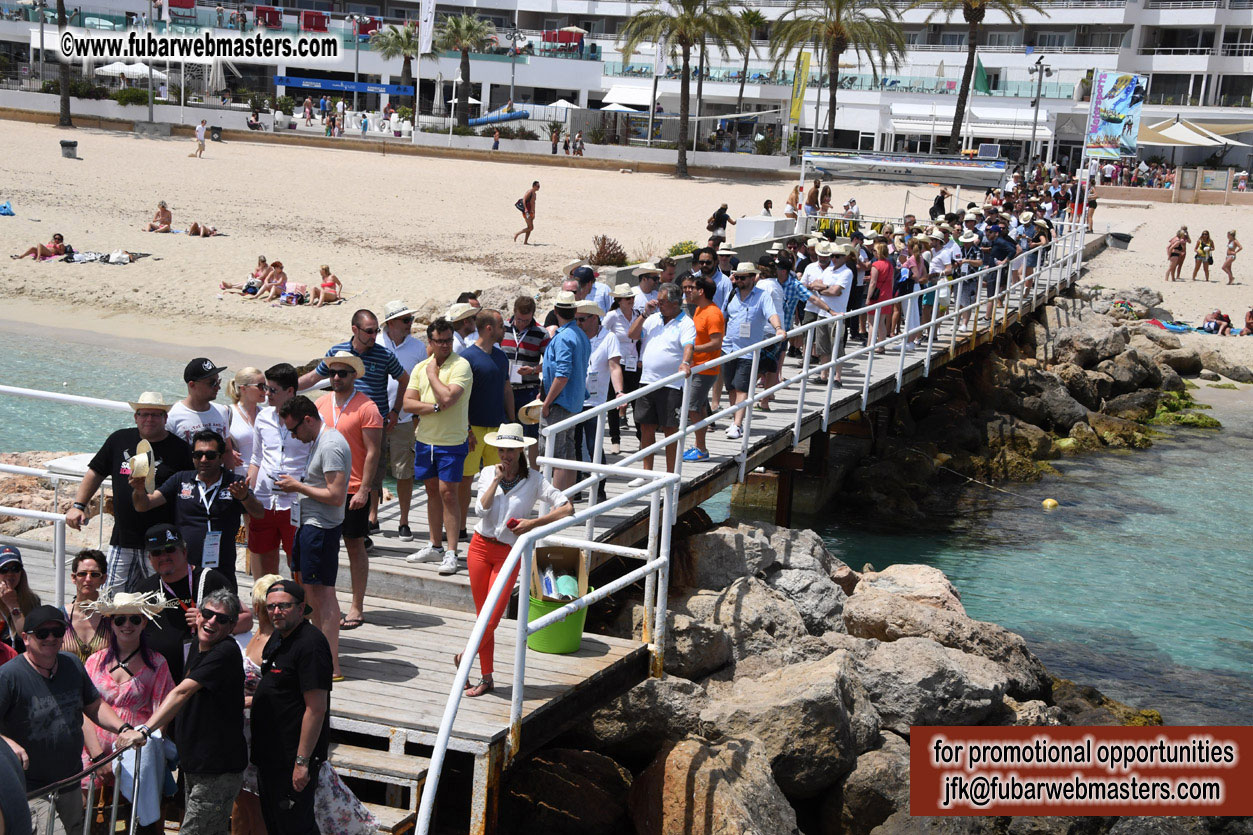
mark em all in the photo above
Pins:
pixel 1139 585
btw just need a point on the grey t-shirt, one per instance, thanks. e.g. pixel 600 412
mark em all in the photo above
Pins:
pixel 45 716
pixel 329 453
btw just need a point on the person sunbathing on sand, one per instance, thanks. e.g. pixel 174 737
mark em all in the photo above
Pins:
pixel 52 249
pixel 273 284
pixel 162 220
pixel 1218 323
pixel 329 290
pixel 202 230
pixel 254 281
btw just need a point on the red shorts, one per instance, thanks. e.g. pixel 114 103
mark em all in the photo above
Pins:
pixel 271 530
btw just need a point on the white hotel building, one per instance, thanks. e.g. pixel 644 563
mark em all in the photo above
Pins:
pixel 1197 55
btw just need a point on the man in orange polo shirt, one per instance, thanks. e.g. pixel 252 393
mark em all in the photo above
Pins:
pixel 698 291
pixel 354 416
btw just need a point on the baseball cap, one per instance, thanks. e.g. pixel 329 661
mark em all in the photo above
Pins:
pixel 294 589
pixel 42 616
pixel 201 368
pixel 159 536
pixel 9 554
pixel 583 274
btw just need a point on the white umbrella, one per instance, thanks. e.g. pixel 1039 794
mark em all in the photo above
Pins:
pixel 471 100
pixel 619 108
pixel 140 70
pixel 563 104
pixel 578 30
pixel 115 69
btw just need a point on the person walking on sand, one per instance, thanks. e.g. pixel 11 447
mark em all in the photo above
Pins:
pixel 1233 247
pixel 527 206
pixel 199 152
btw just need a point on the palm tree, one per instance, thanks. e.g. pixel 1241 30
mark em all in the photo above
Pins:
pixel 870 28
pixel 465 34
pixel 751 20
pixel 973 12
pixel 683 24
pixel 401 42
pixel 63 74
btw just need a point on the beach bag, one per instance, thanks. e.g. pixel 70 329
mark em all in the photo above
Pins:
pixel 710 224
pixel 6 209
pixel 520 205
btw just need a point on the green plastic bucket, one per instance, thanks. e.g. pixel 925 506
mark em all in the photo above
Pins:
pixel 560 638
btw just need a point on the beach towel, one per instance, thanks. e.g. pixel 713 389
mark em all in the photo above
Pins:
pixel 6 210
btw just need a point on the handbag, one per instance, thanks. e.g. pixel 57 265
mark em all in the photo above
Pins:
pixel 709 224
pixel 520 206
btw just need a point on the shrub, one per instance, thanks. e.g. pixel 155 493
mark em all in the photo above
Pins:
pixel 595 136
pixel 506 132
pixel 79 89
pixel 682 248
pixel 606 252
pixel 130 95
pixel 286 104
pixel 525 133
pixel 766 146
pixel 258 102
pixel 405 113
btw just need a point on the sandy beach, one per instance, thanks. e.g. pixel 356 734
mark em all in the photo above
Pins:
pixel 415 228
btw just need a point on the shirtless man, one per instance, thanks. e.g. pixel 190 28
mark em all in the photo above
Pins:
pixel 811 198
pixel 528 212
pixel 201 230
pixel 162 220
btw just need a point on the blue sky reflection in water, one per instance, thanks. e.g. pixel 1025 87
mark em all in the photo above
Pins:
pixel 1138 585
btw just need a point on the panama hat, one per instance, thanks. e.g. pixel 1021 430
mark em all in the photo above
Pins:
pixel 572 266
pixel 824 249
pixel 1042 223
pixel 589 306
pixel 531 413
pixel 647 268
pixel 509 436
pixel 814 241
pixel 565 299
pixel 460 311
pixel 345 358
pixel 394 310
pixel 777 246
pixel 842 251
pixel 969 238
pixel 1025 218
pixel 623 291
pixel 727 251
pixel 746 269
pixel 151 400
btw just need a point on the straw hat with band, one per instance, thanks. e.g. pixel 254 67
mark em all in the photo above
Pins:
pixel 824 249
pixel 723 250
pixel 531 413
pixel 572 266
pixel 566 299
pixel 969 238
pixel 151 400
pixel 345 358
pixel 590 307
pixel 746 269
pixel 509 436
pixel 648 268
pixel 395 309
pixel 148 604
pixel 460 311
pixel 623 291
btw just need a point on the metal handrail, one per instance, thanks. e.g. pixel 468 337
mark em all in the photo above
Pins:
pixel 52 790
pixel 58 541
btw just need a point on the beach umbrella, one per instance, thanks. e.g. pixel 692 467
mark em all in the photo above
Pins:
pixel 619 108
pixel 563 104
pixel 114 70
pixel 578 30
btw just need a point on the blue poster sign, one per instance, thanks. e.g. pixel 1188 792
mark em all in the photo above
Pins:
pixel 343 86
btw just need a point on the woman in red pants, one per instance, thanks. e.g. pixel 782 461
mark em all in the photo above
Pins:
pixel 507 493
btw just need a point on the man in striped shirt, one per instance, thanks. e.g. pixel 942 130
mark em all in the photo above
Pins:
pixel 380 364
pixel 523 343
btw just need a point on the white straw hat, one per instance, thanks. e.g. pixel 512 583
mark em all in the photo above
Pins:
pixel 151 400
pixel 531 413
pixel 509 436
pixel 345 358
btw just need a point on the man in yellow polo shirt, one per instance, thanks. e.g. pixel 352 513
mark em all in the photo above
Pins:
pixel 439 394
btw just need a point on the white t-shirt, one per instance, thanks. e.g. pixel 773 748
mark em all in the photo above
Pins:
pixel 616 323
pixel 185 423
pixel 771 287
pixel 663 346
pixel 275 451
pixel 815 272
pixel 642 299
pixel 460 343
pixel 940 259
pixel 409 353
pixel 516 504
pixel 200 133
pixel 604 348
pixel 842 279
pixel 241 437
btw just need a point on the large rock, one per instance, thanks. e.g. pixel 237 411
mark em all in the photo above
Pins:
pixel 1160 826
pixel 1085 438
pixel 1130 370
pixel 756 617
pixel 566 792
pixel 1081 386
pixel 694 787
pixel 1139 406
pixel 812 720
pixel 1216 362
pixel 1061 410
pixel 919 583
pixel 694 649
pixel 816 596
pixel 916 681
pixel 877 788
pixel 1103 383
pixel 1164 339
pixel 1183 360
pixel 1171 381
pixel 1006 432
pixel 903 823
pixel 1075 346
pixel 1110 342
pixel 1146 346
pixel 727 553
pixel 640 720
pixel 1032 713
pixel 887 617
pixel 1119 433
pixel 1082 704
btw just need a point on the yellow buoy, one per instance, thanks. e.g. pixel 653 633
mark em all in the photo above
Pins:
pixel 1050 504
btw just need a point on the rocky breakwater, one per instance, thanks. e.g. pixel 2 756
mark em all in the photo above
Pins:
pixel 792 682
pixel 29 492
pixel 1079 375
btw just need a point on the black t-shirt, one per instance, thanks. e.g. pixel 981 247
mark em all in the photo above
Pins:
pixel 14 812
pixel 45 715
pixel 290 666
pixel 169 634
pixel 189 498
pixel 210 728
pixel 551 321
pixel 112 461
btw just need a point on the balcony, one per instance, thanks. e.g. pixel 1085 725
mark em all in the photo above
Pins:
pixel 1176 50
pixel 1016 49
pixel 1184 4
pixel 1238 50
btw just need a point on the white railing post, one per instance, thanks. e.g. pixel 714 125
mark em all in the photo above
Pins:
pixel 800 399
pixel 680 439
pixel 598 454
pixel 748 403
pixel 58 560
pixel 837 366
pixel 655 526
pixel 932 325
pixel 662 591
pixel 519 651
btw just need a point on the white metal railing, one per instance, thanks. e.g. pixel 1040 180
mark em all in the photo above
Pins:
pixel 994 287
pixel 58 535
pixel 71 783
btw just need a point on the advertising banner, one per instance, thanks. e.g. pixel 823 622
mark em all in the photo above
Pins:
pixel 1114 117
pixel 426 24
pixel 799 85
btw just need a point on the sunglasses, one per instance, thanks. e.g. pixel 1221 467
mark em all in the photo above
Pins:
pixel 83 575
pixel 371 331
pixel 408 320
pixel 221 617
pixel 11 569
pixel 278 607
pixel 133 620
pixel 341 372
pixel 271 389
pixel 169 549
pixel 51 632
pixel 216 382
pixel 206 454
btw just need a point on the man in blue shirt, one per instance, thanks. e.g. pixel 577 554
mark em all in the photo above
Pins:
pixel 566 358
pixel 998 251
pixel 491 400
pixel 748 311
pixel 380 363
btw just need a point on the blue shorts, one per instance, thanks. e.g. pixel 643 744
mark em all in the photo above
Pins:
pixel 315 554
pixel 442 462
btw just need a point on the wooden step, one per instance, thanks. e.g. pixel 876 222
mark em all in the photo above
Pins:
pixel 379 766
pixel 392 820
